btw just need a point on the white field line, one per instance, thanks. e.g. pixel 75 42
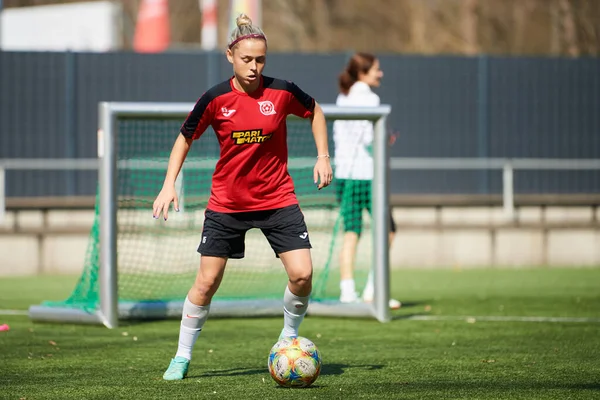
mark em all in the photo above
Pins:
pixel 473 319
pixel 470 319
pixel 14 312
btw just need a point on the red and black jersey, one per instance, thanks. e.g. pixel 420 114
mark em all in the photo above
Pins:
pixel 252 173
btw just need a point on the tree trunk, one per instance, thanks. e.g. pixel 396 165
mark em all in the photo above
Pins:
pixel 569 29
pixel 418 28
pixel 555 28
pixel 470 22
pixel 521 12
pixel 322 24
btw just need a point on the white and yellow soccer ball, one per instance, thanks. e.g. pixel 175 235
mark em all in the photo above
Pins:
pixel 294 362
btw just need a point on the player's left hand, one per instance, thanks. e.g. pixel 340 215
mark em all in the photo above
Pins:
pixel 323 174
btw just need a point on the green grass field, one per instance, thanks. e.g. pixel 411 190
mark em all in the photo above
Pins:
pixel 446 357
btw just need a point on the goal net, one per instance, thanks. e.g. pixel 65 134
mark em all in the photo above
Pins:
pixel 140 267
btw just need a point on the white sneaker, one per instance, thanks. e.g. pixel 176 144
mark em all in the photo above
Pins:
pixel 351 297
pixel 393 303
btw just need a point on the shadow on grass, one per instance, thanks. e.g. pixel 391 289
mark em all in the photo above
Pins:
pixel 339 369
pixel 327 369
pixel 407 304
pixel 230 372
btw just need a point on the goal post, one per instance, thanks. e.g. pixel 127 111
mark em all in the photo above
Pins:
pixel 128 253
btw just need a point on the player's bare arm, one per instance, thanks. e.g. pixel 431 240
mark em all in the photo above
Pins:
pixel 323 174
pixel 168 193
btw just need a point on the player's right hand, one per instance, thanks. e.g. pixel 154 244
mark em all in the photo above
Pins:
pixel 163 202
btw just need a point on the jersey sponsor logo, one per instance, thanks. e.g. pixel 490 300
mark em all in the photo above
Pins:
pixel 266 107
pixel 251 136
pixel 226 112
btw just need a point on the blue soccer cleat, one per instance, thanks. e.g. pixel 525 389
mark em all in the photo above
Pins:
pixel 177 370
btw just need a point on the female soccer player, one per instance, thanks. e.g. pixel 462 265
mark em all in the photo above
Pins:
pixel 354 167
pixel 251 186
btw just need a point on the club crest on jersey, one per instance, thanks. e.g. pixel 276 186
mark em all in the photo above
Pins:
pixel 250 136
pixel 266 107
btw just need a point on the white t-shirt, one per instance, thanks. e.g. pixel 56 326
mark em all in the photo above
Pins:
pixel 354 139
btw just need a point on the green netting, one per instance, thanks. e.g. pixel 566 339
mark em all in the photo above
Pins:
pixel 157 260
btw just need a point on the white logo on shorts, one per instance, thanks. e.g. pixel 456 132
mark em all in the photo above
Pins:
pixel 304 235
pixel 266 107
pixel 203 239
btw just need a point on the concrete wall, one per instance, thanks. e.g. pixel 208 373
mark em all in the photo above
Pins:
pixel 55 241
pixel 478 237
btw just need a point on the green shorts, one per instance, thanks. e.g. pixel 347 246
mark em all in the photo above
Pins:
pixel 354 196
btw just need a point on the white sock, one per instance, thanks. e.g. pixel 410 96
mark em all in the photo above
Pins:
pixel 294 309
pixel 192 320
pixel 347 287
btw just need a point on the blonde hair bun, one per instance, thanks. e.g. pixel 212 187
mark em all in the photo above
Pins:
pixel 243 20
pixel 244 30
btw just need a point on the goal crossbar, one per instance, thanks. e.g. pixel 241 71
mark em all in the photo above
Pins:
pixel 111 310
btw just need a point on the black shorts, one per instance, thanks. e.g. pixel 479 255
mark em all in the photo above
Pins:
pixel 223 234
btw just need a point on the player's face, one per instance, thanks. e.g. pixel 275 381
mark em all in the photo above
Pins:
pixel 248 59
pixel 374 75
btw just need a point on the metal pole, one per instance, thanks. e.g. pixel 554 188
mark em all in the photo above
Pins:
pixel 70 113
pixel 209 27
pixel 482 118
pixel 179 190
pixel 508 200
pixel 107 153
pixel 1 38
pixel 212 68
pixel 2 193
pixel 381 221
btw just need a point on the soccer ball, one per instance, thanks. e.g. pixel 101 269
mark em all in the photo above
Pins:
pixel 294 362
